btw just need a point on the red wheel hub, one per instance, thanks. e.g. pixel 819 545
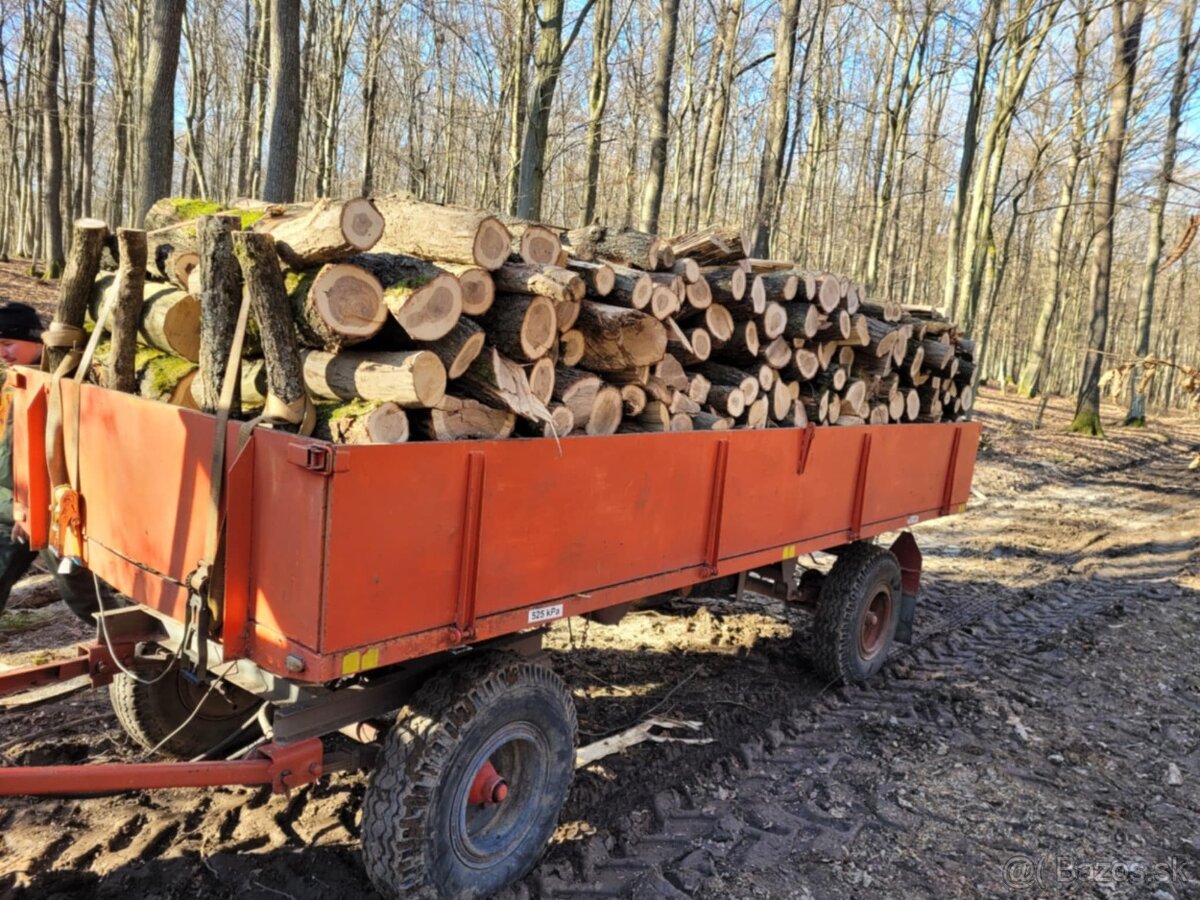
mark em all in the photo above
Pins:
pixel 488 788
pixel 873 630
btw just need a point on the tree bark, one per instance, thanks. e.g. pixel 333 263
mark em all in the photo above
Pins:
pixel 1128 16
pixel 283 142
pixel 75 286
pixel 220 300
pixel 131 278
pixel 53 174
pixel 779 107
pixel 450 233
pixel 664 69
pixel 157 135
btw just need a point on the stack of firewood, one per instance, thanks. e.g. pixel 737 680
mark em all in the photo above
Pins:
pixel 402 320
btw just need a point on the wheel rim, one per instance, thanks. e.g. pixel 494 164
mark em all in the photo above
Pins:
pixel 872 631
pixel 497 798
pixel 214 706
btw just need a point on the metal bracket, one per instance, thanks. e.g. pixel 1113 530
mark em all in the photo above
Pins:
pixel 319 458
pixel 951 473
pixel 806 439
pixel 716 509
pixel 468 567
pixel 860 487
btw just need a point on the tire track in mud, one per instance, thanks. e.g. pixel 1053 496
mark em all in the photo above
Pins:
pixel 669 849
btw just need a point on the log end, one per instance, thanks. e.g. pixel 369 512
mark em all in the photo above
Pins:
pixel 362 224
pixel 492 242
pixel 478 291
pixel 607 411
pixel 349 300
pixel 540 246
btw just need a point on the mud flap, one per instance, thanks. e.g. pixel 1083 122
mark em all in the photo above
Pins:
pixel 904 624
pixel 909 556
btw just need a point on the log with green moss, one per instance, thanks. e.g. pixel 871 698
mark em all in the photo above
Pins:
pixel 170 318
pixel 157 375
pixel 336 306
pixel 362 422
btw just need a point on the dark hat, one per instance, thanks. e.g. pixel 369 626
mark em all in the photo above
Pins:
pixel 19 322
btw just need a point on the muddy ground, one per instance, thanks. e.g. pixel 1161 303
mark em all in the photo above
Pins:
pixel 1041 737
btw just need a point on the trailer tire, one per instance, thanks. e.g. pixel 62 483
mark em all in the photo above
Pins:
pixel 857 611
pixel 421 834
pixel 150 710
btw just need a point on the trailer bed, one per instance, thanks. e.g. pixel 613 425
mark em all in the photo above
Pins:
pixel 342 559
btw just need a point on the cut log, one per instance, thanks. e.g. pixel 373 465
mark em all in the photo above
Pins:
pixel 536 244
pixel 541 379
pixel 781 286
pixel 742 348
pixel 796 417
pixel 630 288
pixel 694 346
pixel 160 376
pixel 562 422
pixel 682 403
pixel 126 312
pixel 173 263
pixel 170 319
pixel 598 278
pixel 330 230
pixel 829 292
pixel 681 422
pixel 616 339
pixel 425 308
pixel 220 298
pixel 664 302
pixel 848 420
pixel 698 388
pixel 726 285
pixel 758 413
pixel 704 421
pixel 412 379
pixel 803 321
pixel 478 287
pixel 460 418
pixel 336 306
pixel 778 353
pixel 713 246
pixel 75 291
pixel 522 326
pixel 729 376
pixel 571 346
pixel 271 310
pixel 781 400
pixel 767 377
pixel 629 248
pixel 826 352
pixel 937 354
pixel 500 382
pixel 671 372
pixel 362 422
pixel 655 417
pixel 699 294
pixel 688 269
pixel 806 364
pixel 433 232
pixel 633 399
pixel 566 314
pixel 852 300
pixel 560 285
pixel 855 394
pixel 726 400
pixel 816 403
pixel 837 328
pixel 774 320
pixel 719 322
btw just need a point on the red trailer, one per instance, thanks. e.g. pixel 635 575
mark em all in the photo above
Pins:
pixel 352 582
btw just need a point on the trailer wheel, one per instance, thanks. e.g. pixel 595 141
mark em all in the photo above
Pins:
pixel 470 781
pixel 857 611
pixel 151 708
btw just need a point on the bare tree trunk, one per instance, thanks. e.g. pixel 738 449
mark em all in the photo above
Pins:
pixel 1128 16
pixel 777 126
pixel 664 69
pixel 53 172
pixel 1180 89
pixel 283 143
pixel 85 125
pixel 262 64
pixel 716 127
pixel 602 44
pixel 157 139
pixel 1035 359
pixel 370 94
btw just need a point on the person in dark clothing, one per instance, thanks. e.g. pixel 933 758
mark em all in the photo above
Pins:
pixel 20 344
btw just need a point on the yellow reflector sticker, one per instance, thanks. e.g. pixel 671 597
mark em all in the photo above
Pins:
pixel 789 552
pixel 351 662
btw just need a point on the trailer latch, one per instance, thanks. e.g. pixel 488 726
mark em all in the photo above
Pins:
pixel 316 458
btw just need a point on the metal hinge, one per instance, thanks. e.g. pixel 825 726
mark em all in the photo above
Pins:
pixel 317 458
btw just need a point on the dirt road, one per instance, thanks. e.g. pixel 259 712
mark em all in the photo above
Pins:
pixel 1040 737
